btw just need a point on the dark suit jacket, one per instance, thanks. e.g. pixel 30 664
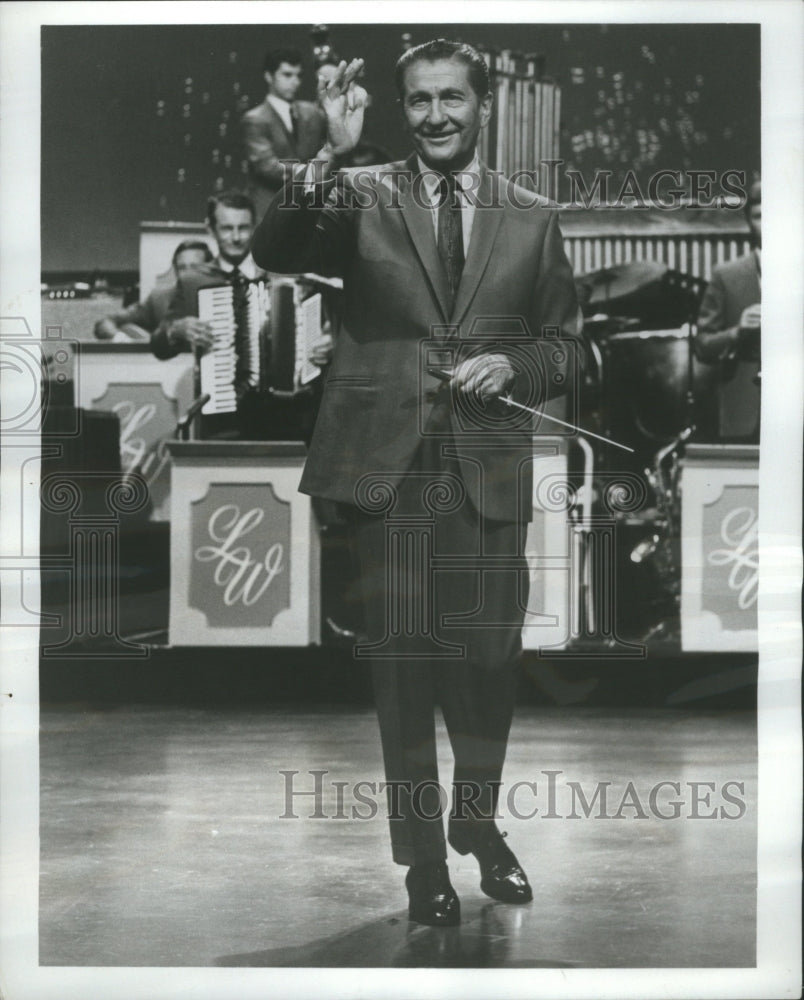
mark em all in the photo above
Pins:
pixel 734 287
pixel 516 281
pixel 268 142
pixel 149 313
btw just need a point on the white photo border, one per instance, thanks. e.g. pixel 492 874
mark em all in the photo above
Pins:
pixel 779 731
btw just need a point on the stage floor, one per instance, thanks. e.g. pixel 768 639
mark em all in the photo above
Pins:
pixel 162 843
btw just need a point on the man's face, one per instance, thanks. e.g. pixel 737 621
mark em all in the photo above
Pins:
pixel 188 260
pixel 755 222
pixel 443 113
pixel 232 231
pixel 285 82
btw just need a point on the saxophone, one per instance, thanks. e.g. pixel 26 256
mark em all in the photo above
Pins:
pixel 661 547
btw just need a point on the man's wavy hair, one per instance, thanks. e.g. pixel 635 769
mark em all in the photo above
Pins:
pixel 442 48
pixel 275 57
pixel 229 199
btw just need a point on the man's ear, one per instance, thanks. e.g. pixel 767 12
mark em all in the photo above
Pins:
pixel 486 104
pixel 269 78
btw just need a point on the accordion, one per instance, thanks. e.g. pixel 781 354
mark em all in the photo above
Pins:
pixel 264 344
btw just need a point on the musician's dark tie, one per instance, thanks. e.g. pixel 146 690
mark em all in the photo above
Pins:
pixel 243 364
pixel 294 123
pixel 450 233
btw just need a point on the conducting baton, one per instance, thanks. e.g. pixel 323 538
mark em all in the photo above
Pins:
pixel 445 376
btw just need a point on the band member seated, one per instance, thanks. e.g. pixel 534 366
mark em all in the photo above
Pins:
pixel 431 251
pixel 230 219
pixel 140 320
pixel 729 327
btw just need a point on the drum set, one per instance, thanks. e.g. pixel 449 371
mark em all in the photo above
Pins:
pixel 644 389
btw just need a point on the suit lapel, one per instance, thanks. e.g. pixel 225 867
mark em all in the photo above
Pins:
pixel 276 118
pixel 488 216
pixel 418 218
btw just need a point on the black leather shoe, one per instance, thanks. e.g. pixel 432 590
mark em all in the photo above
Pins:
pixel 432 900
pixel 501 875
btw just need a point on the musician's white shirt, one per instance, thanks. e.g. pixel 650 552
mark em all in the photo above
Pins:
pixel 282 108
pixel 246 266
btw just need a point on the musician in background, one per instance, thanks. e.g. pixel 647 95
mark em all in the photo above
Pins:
pixel 730 317
pixel 729 325
pixel 231 220
pixel 142 319
pixel 281 129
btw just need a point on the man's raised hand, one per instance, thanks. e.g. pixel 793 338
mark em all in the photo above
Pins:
pixel 344 103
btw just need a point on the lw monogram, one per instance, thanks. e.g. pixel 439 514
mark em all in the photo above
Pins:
pixel 243 578
pixel 134 452
pixel 739 534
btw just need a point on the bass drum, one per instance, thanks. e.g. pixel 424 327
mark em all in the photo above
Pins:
pixel 644 392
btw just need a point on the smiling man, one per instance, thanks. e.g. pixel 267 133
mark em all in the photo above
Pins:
pixel 450 267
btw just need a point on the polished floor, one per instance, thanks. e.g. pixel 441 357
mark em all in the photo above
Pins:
pixel 162 843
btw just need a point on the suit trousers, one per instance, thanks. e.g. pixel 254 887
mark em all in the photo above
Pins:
pixel 440 632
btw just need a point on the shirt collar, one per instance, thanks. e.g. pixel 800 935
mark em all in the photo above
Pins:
pixel 246 267
pixel 431 178
pixel 281 105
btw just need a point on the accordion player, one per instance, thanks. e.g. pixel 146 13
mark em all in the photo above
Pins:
pixel 259 371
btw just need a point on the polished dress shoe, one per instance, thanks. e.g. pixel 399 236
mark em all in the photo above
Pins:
pixel 501 875
pixel 432 900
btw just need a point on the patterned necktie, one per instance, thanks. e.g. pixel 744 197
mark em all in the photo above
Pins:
pixel 243 364
pixel 450 233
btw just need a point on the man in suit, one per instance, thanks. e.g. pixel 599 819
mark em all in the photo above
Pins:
pixel 729 325
pixel 231 219
pixel 140 320
pixel 446 267
pixel 281 129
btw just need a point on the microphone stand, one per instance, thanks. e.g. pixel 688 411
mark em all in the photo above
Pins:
pixel 182 432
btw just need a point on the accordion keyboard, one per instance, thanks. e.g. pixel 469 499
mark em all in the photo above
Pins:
pixel 217 366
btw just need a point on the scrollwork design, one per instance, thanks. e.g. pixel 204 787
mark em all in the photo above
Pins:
pixel 555 493
pixel 625 494
pixel 60 494
pixel 375 494
pixel 445 494
pixel 127 495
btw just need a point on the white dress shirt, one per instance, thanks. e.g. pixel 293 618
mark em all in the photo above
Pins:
pixel 464 180
pixel 431 182
pixel 247 267
pixel 282 108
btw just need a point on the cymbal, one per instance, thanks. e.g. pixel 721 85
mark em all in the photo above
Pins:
pixel 621 280
pixel 602 325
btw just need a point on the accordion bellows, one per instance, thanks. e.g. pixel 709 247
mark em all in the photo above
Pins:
pixel 265 346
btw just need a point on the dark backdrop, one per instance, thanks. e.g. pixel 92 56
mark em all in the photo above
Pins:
pixel 140 122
